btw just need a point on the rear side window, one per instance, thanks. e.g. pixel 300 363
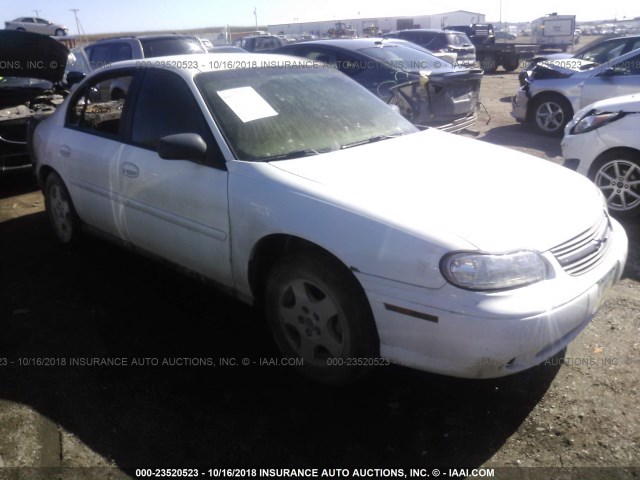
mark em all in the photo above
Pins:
pixel 99 106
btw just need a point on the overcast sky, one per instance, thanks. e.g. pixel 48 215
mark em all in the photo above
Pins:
pixel 102 16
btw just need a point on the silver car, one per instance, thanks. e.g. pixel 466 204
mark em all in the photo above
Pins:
pixel 557 89
pixel 37 25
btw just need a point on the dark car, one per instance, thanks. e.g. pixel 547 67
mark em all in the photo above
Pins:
pixel 31 74
pixel 427 90
pixel 110 50
pixel 259 43
pixel 440 42
pixel 598 51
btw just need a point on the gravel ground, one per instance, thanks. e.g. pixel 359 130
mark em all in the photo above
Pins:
pixel 577 414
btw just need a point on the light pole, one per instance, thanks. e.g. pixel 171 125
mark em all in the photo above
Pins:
pixel 37 12
pixel 255 14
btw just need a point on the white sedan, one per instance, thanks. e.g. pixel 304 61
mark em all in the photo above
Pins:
pixel 37 25
pixel 602 143
pixel 297 190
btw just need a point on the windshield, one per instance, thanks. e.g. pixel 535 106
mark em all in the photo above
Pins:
pixel 166 46
pixel 404 58
pixel 287 112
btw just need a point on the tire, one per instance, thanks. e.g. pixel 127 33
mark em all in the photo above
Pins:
pixel 488 64
pixel 511 63
pixel 617 175
pixel 62 214
pixel 550 113
pixel 318 312
pixel 60 33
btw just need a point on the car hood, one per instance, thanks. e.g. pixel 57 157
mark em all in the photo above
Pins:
pixel 490 197
pixel 566 66
pixel 625 103
pixel 31 55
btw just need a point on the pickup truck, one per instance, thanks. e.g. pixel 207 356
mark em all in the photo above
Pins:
pixel 491 55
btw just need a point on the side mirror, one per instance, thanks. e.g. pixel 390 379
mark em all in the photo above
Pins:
pixel 182 146
pixel 75 77
pixel 613 72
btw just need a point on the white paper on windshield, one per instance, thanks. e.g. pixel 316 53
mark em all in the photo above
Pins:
pixel 247 104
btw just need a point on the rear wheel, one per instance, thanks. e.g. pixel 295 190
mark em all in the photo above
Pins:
pixel 60 210
pixel 318 313
pixel 511 63
pixel 550 114
pixel 617 175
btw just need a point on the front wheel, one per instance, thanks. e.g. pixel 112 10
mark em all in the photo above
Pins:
pixel 489 64
pixel 550 114
pixel 319 315
pixel 60 210
pixel 617 175
pixel 60 32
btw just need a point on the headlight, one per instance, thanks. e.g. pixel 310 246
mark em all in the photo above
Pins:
pixel 595 120
pixel 482 271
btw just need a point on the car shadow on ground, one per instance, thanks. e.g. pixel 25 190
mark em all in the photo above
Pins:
pixel 523 136
pixel 632 227
pixel 102 302
pixel 17 184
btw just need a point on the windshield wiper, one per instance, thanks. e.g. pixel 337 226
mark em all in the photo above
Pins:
pixel 374 139
pixel 307 152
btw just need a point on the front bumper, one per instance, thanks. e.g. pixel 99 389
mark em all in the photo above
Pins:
pixel 459 124
pixel 579 151
pixel 486 335
pixel 519 103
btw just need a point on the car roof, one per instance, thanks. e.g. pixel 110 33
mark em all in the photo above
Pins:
pixel 209 62
pixel 145 37
pixel 429 30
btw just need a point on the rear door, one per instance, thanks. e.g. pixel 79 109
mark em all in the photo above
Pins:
pixel 90 145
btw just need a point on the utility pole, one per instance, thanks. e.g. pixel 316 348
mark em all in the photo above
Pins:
pixel 78 24
pixel 37 12
pixel 255 14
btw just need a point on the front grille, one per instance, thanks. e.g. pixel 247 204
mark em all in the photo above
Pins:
pixel 585 251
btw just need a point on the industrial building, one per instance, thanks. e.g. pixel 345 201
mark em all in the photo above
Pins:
pixel 367 26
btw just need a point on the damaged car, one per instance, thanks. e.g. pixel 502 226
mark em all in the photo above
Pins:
pixel 427 90
pixel 557 89
pixel 31 72
pixel 297 190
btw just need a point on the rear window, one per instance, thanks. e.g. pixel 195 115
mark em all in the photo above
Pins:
pixel 161 47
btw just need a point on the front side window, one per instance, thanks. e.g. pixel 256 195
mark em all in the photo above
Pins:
pixel 294 111
pixel 166 106
pixel 630 66
pixel 99 106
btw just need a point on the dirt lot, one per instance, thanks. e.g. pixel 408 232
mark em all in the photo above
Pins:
pixel 576 414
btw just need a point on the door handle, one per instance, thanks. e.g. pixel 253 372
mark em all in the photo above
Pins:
pixel 65 151
pixel 130 170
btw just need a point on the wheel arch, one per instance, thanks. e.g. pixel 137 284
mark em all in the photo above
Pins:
pixel 609 154
pixel 43 173
pixel 270 249
pixel 543 94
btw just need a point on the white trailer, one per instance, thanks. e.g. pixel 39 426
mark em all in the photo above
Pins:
pixel 554 31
